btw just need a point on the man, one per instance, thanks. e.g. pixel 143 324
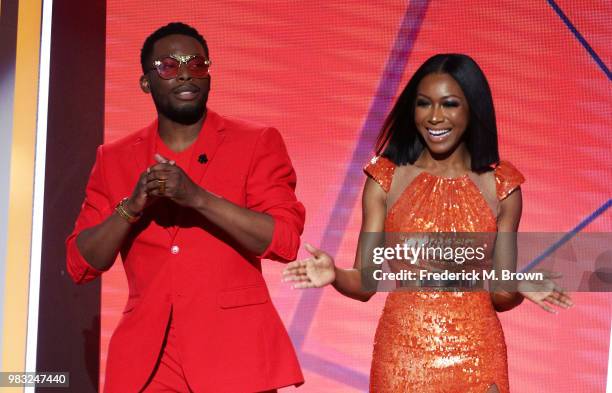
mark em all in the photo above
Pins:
pixel 192 203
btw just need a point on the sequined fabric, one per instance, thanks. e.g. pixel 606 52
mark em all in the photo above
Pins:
pixel 435 341
pixel 438 342
pixel 381 170
pixel 507 178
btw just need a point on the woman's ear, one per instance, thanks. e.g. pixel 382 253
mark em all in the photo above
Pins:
pixel 144 84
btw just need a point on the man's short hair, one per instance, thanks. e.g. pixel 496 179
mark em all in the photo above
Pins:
pixel 164 31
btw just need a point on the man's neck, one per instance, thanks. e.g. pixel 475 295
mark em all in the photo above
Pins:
pixel 177 136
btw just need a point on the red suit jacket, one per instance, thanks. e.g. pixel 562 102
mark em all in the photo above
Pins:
pixel 231 338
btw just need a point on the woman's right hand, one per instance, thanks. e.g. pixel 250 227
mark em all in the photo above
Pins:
pixel 314 272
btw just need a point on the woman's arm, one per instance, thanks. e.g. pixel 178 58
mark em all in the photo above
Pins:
pixel 545 292
pixel 505 252
pixel 320 269
pixel 374 210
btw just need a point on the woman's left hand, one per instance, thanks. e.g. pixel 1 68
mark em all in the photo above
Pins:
pixel 545 292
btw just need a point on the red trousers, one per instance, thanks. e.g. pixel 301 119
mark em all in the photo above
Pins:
pixel 168 375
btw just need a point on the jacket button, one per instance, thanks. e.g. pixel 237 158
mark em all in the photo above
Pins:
pixel 175 249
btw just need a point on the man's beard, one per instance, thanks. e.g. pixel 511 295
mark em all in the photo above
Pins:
pixel 187 114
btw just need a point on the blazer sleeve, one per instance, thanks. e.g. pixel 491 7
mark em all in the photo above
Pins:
pixel 95 209
pixel 271 189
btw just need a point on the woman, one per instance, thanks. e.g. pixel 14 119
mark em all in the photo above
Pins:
pixel 437 169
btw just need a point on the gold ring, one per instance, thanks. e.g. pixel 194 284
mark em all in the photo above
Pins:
pixel 162 185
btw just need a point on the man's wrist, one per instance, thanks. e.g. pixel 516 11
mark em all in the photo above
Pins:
pixel 124 212
pixel 201 199
pixel 129 206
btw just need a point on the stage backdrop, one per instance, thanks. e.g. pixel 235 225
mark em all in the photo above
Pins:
pixel 325 73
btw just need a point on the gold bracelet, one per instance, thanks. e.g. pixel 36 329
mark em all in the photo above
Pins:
pixel 123 212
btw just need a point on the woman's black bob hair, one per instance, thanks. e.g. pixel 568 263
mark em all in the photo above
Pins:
pixel 399 139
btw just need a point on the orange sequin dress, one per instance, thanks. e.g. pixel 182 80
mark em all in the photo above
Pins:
pixel 440 341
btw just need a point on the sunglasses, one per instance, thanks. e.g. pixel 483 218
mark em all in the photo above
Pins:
pixel 168 67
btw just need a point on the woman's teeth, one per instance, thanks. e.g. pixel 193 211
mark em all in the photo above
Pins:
pixel 438 133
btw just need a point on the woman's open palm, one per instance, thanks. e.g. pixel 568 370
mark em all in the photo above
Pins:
pixel 545 292
pixel 315 272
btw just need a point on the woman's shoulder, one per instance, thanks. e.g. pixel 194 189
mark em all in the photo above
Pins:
pixel 381 170
pixel 507 179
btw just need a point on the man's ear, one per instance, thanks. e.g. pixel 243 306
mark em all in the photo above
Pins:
pixel 144 84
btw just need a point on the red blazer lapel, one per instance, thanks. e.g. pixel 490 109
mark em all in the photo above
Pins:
pixel 144 148
pixel 210 137
pixel 207 143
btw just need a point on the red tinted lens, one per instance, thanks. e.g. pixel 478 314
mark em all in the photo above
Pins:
pixel 198 67
pixel 168 68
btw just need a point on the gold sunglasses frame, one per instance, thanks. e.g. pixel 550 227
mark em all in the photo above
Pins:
pixel 182 59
